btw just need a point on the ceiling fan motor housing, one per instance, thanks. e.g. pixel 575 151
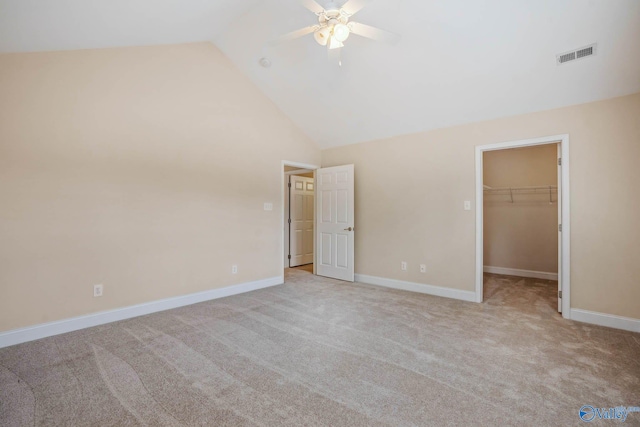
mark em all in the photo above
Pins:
pixel 326 19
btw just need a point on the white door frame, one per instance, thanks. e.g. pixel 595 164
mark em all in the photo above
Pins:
pixel 564 202
pixel 283 176
pixel 287 176
pixel 298 255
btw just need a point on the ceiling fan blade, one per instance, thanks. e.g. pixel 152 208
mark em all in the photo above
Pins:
pixel 293 35
pixel 373 33
pixel 313 6
pixel 354 6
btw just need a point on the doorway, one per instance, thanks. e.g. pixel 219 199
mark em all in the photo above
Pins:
pixel 561 200
pixel 302 220
pixel 333 219
pixel 299 210
pixel 521 226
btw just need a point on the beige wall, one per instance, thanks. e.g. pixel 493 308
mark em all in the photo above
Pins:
pixel 144 169
pixel 522 234
pixel 410 191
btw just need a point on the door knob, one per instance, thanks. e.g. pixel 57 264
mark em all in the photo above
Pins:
pixel 349 229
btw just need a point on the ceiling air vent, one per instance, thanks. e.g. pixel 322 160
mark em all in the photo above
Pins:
pixel 576 54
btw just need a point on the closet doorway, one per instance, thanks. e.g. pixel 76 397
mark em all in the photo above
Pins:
pixel 522 213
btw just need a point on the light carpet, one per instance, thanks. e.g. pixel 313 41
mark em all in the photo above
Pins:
pixel 317 351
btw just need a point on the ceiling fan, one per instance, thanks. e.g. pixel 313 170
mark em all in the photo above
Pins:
pixel 334 26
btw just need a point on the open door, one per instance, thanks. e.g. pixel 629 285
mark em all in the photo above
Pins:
pixel 559 228
pixel 301 221
pixel 335 222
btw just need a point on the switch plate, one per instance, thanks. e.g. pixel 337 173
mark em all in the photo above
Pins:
pixel 268 206
pixel 234 269
pixel 403 266
pixel 97 290
pixel 467 205
pixel 423 268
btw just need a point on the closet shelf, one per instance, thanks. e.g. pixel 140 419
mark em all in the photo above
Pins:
pixel 510 191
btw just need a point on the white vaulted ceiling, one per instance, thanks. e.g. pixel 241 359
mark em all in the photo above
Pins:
pixel 458 61
pixel 42 25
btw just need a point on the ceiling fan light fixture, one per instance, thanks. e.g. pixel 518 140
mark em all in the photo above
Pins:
pixel 322 36
pixel 335 43
pixel 341 32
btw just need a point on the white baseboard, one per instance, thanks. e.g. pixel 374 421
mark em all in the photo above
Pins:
pixel 44 330
pixel 417 287
pixel 521 273
pixel 602 319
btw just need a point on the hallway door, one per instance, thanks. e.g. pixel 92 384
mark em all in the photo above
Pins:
pixel 301 225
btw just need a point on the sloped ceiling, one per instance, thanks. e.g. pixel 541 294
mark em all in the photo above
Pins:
pixel 45 25
pixel 458 61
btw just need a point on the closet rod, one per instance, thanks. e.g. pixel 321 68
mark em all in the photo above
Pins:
pixel 543 188
pixel 538 189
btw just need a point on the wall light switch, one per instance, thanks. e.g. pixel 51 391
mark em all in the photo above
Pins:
pixel 467 205
pixel 268 206
pixel 97 290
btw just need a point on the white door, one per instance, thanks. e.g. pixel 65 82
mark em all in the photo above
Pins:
pixel 335 222
pixel 559 201
pixel 301 227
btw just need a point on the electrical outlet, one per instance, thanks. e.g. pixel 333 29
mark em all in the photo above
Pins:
pixel 423 268
pixel 234 269
pixel 97 290
pixel 403 266
pixel 268 206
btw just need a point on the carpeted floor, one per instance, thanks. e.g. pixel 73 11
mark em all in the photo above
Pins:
pixel 322 352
